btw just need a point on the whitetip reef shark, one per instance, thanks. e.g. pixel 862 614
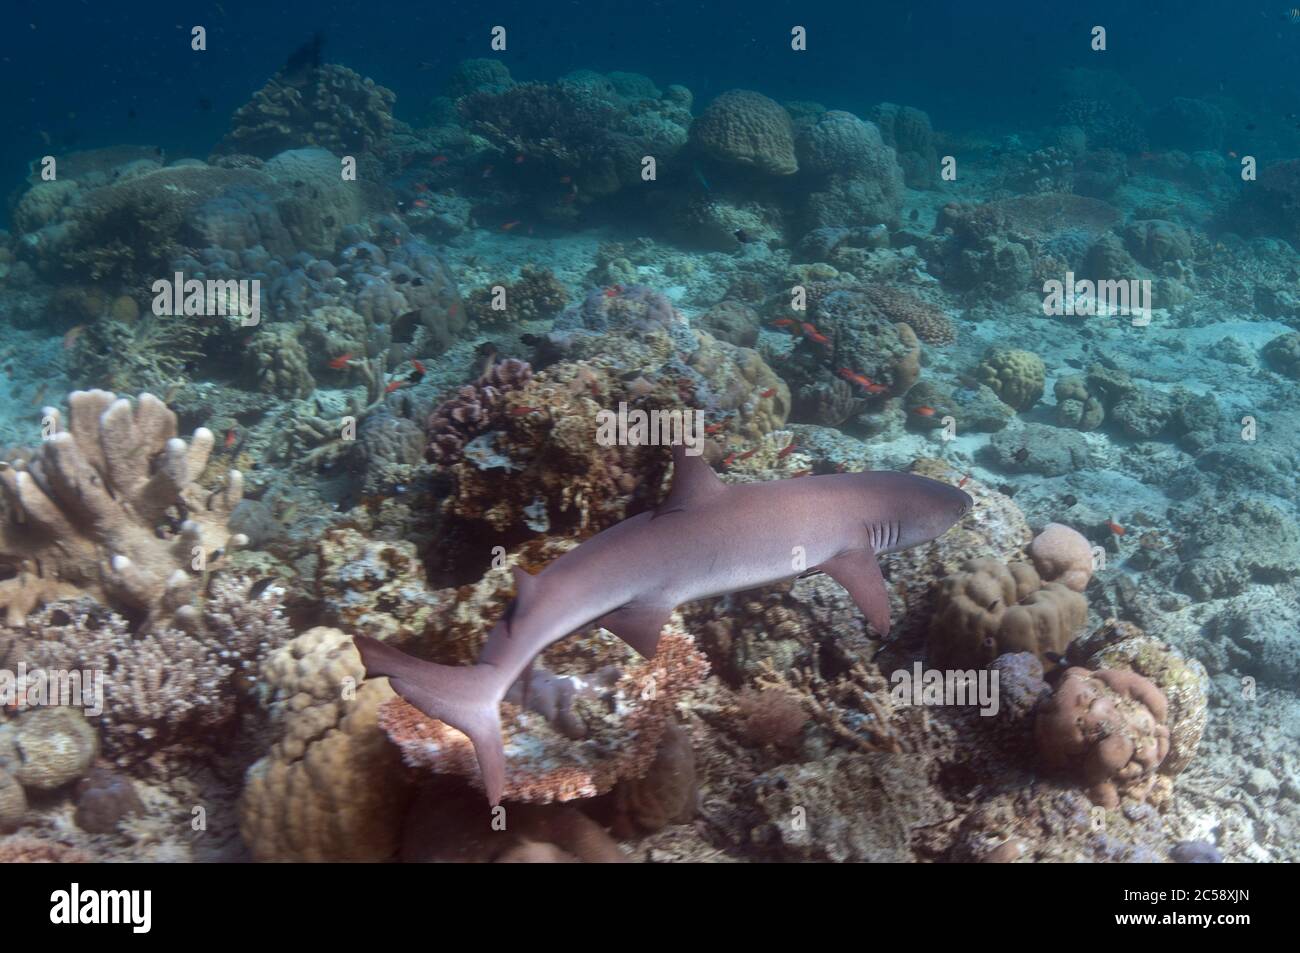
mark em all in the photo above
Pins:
pixel 706 539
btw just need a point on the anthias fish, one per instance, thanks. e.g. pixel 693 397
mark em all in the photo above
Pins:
pixel 706 539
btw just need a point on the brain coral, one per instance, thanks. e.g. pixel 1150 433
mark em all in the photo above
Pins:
pixel 1107 729
pixel 746 128
pixel 1063 555
pixel 839 142
pixel 52 747
pixel 331 788
pixel 1017 377
pixel 991 608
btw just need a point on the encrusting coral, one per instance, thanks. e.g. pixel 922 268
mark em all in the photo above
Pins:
pixel 110 508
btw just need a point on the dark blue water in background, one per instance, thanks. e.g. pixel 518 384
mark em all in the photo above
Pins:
pixel 91 74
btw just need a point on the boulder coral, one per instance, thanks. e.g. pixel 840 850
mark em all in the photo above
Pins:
pixel 1016 376
pixel 991 608
pixel 1108 730
pixel 331 788
pixel 744 128
pixel 1064 555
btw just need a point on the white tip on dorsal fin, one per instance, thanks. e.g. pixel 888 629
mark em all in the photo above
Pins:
pixel 693 481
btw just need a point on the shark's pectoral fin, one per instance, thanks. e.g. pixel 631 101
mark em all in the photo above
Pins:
pixel 638 625
pixel 693 482
pixel 859 573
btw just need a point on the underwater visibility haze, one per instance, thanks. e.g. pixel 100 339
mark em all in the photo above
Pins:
pixel 729 432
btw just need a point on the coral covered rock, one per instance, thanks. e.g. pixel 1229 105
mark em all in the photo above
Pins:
pixel 1064 555
pixel 1017 377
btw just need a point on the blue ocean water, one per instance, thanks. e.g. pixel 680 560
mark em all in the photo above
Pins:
pixel 304 343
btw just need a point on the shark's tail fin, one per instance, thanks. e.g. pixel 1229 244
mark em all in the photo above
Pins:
pixel 466 697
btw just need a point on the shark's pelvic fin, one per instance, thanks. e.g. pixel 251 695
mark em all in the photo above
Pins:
pixel 693 482
pixel 466 697
pixel 638 625
pixel 859 572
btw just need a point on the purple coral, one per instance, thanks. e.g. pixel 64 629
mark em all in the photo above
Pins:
pixel 471 411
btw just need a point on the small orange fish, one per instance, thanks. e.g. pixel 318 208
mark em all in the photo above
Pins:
pixel 519 159
pixel 876 388
pixel 510 225
pixel 783 323
pixel 613 291
pixel 963 481
pixel 770 392
pixel 437 160
pixel 522 411
pixel 420 203
pixel 713 428
pixel 419 368
pixel 821 339
pixel 231 435
pixel 731 458
pixel 787 450
pixel 393 385
pixel 340 362
pixel 923 411
pixel 1115 528
pixel 747 454
pixel 809 327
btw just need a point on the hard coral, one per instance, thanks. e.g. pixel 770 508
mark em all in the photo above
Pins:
pixel 331 788
pixel 109 507
pixel 1107 729
pixel 475 409
pixel 991 608
pixel 1063 555
pixel 1017 377
pixel 329 106
pixel 742 127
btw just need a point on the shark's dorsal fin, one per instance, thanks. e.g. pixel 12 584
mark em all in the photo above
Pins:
pixel 638 625
pixel 525 585
pixel 859 572
pixel 693 482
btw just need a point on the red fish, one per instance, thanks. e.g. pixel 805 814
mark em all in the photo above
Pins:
pixel 418 367
pixel 783 323
pixel 420 203
pixel 340 362
pixel 731 458
pixel 747 454
pixel 231 435
pixel 1115 528
pixel 437 160
pixel 509 225
pixel 393 385
pixel 713 428
pixel 963 481
pixel 876 388
pixel 923 411
pixel 613 291
pixel 770 392
pixel 522 411
pixel 785 451
pixel 860 379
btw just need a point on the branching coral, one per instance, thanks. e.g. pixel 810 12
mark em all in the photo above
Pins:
pixel 330 106
pixel 109 507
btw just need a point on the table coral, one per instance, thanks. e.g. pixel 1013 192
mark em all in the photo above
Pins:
pixel 109 507
pixel 1106 728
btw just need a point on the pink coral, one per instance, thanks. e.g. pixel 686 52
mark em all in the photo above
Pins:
pixel 1063 555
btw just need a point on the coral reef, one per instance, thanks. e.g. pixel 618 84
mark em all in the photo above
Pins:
pixel 745 128
pixel 1017 377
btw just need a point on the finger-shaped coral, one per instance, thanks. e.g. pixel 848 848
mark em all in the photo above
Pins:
pixel 109 507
